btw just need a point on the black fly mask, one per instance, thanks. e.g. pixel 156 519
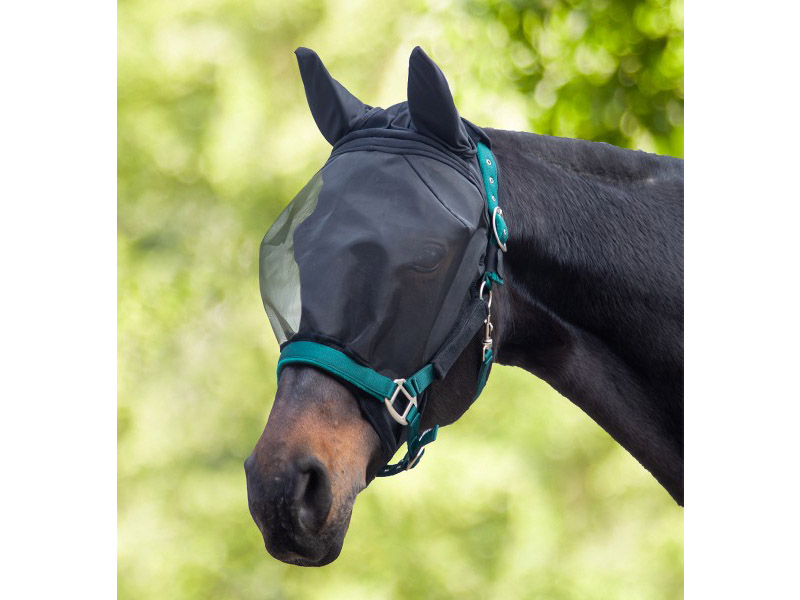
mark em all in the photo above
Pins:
pixel 380 271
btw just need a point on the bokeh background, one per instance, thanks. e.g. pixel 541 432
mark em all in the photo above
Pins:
pixel 525 497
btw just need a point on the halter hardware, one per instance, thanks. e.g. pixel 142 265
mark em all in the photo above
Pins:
pixel 498 212
pixel 489 328
pixel 487 335
pixel 389 402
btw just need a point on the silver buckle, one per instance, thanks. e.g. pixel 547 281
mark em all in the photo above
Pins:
pixel 497 211
pixel 389 402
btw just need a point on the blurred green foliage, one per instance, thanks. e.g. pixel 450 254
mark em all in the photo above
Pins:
pixel 525 497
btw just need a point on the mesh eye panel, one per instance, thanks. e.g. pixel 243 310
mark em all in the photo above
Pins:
pixel 279 274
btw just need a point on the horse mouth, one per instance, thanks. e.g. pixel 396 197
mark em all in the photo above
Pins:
pixel 305 549
pixel 290 533
pixel 292 558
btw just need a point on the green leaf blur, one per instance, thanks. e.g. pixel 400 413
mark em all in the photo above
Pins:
pixel 525 497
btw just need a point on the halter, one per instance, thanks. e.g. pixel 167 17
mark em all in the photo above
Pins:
pixel 408 391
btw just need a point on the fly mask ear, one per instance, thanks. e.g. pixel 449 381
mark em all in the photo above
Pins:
pixel 431 105
pixel 336 111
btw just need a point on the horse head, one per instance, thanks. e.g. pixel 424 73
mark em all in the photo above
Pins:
pixel 378 259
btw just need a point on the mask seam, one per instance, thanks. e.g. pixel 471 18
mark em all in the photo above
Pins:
pixel 430 189
pixel 466 168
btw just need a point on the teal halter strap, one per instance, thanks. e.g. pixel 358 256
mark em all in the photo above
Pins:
pixel 491 185
pixel 339 364
pixel 390 391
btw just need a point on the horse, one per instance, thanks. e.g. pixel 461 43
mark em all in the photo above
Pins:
pixel 592 305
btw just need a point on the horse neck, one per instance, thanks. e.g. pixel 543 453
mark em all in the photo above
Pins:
pixel 594 301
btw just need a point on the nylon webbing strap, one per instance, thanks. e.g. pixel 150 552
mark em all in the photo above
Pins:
pixel 338 363
pixel 490 182
pixel 420 380
pixel 416 448
pixel 483 373
pixel 341 365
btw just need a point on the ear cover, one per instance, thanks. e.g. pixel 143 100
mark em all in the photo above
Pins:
pixel 336 111
pixel 431 105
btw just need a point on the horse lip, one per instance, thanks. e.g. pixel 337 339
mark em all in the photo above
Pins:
pixel 304 549
pixel 293 558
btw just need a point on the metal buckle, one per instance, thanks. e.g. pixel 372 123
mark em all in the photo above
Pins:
pixel 497 211
pixel 389 402
pixel 487 337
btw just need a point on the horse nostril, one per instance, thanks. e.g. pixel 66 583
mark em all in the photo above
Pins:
pixel 312 494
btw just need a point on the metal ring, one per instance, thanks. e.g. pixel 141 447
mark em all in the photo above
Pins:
pixel 497 211
pixel 480 295
pixel 389 402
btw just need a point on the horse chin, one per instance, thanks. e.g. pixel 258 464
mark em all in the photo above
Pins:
pixel 299 561
pixel 318 551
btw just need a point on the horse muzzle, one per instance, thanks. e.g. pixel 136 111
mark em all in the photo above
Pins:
pixel 292 510
pixel 307 468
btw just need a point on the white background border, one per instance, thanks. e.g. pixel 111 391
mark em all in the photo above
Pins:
pixel 742 300
pixel 58 326
pixel 58 290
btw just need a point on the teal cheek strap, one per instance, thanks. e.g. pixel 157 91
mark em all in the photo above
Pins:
pixel 398 391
